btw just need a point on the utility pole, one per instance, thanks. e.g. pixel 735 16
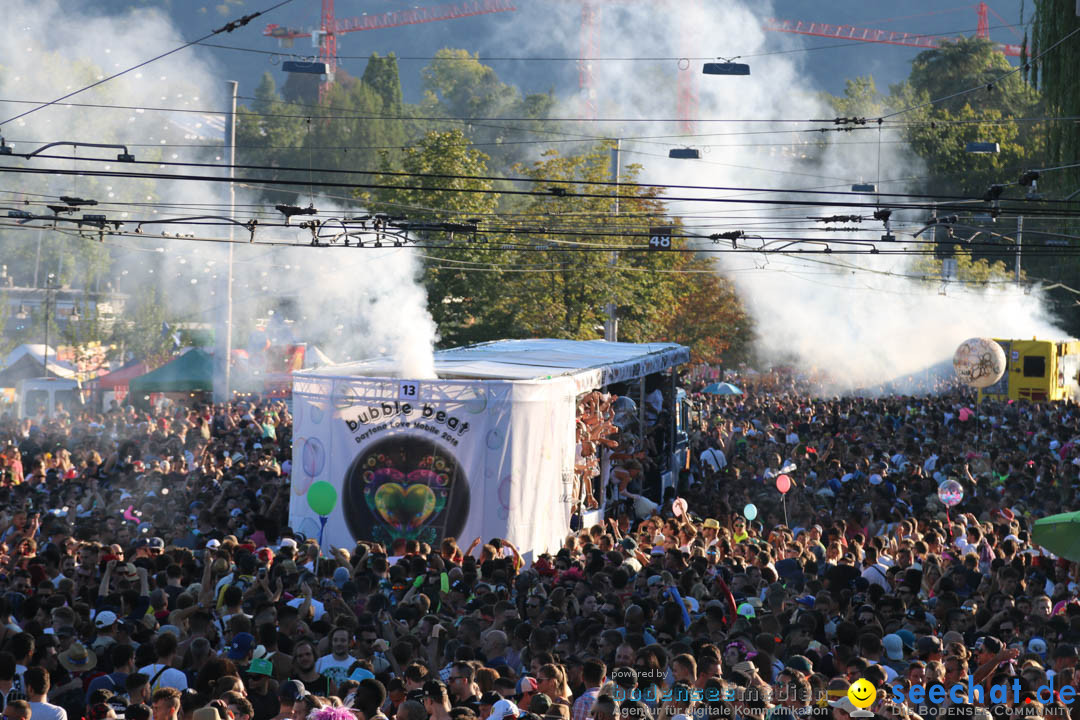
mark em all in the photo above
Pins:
pixel 224 343
pixel 48 290
pixel 611 323
pixel 1019 245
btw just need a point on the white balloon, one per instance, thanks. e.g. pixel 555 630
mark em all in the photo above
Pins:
pixel 979 362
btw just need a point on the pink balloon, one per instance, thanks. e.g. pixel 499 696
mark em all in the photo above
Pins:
pixel 783 484
pixel 678 507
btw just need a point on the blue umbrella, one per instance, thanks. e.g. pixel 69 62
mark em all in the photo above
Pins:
pixel 721 388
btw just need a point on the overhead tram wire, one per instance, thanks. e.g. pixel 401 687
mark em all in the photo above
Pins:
pixel 960 206
pixel 226 28
pixel 1029 204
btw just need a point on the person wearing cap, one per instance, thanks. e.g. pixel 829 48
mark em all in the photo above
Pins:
pixel 289 693
pixel 436 700
pixel 710 530
pixel 105 624
pixel 893 648
pixel 503 709
pixel 524 691
pixel 241 649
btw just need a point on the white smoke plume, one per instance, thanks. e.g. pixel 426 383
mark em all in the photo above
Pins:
pixel 353 303
pixel 860 318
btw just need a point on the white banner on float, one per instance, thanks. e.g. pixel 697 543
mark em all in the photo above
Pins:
pixel 424 460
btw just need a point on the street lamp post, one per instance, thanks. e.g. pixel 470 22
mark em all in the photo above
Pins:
pixel 49 287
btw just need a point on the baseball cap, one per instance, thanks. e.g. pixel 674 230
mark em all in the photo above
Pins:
pixel 360 674
pixel 525 685
pixel 845 704
pixel 436 690
pixel 104 619
pixel 261 666
pixel 502 708
pixel 928 644
pixel 156 543
pixel 907 637
pixel 1037 645
pixel 894 646
pixel 241 645
pixel 213 544
pixel 801 663
pixel 292 690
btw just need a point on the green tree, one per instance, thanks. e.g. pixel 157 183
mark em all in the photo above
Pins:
pixel 461 283
pixel 142 333
pixel 708 316
pixel 570 274
pixel 457 85
pixel 1055 75
pixel 860 99
pixel 969 269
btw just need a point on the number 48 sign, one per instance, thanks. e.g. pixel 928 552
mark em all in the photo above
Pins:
pixel 660 238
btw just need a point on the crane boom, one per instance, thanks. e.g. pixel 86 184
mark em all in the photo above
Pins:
pixel 399 18
pixel 887 37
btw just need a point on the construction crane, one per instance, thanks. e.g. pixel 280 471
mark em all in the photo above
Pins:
pixel 325 37
pixel 686 90
pixel 850 32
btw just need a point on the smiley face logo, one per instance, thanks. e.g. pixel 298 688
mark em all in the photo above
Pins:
pixel 862 693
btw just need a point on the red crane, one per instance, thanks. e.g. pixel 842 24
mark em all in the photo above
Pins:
pixel 850 32
pixel 330 27
pixel 687 92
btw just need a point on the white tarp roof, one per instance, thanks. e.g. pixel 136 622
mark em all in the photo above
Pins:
pixel 37 352
pixel 597 361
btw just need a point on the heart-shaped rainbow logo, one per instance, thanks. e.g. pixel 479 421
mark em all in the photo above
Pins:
pixel 404 507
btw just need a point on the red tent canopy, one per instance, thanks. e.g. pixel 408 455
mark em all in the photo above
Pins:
pixel 120 377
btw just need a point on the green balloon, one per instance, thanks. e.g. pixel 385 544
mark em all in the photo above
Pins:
pixel 322 497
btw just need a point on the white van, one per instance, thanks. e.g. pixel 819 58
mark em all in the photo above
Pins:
pixel 50 394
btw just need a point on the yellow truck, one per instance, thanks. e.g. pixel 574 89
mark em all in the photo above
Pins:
pixel 1037 370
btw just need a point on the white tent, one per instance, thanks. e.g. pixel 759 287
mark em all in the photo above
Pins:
pixel 36 352
pixel 486 450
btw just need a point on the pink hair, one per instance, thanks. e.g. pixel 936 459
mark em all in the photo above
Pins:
pixel 332 713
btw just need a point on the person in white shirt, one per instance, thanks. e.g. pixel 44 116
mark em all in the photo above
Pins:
pixel 875 572
pixel 161 674
pixel 336 665
pixel 714 459
pixel 38 683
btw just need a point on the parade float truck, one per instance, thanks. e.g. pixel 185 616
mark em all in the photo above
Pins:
pixel 1037 371
pixel 490 448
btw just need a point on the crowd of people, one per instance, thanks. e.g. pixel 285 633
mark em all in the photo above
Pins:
pixel 148 571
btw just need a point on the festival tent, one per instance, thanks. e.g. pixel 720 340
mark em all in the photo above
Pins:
pixel 119 378
pixel 191 372
pixel 1060 534
pixel 28 361
pixel 486 448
